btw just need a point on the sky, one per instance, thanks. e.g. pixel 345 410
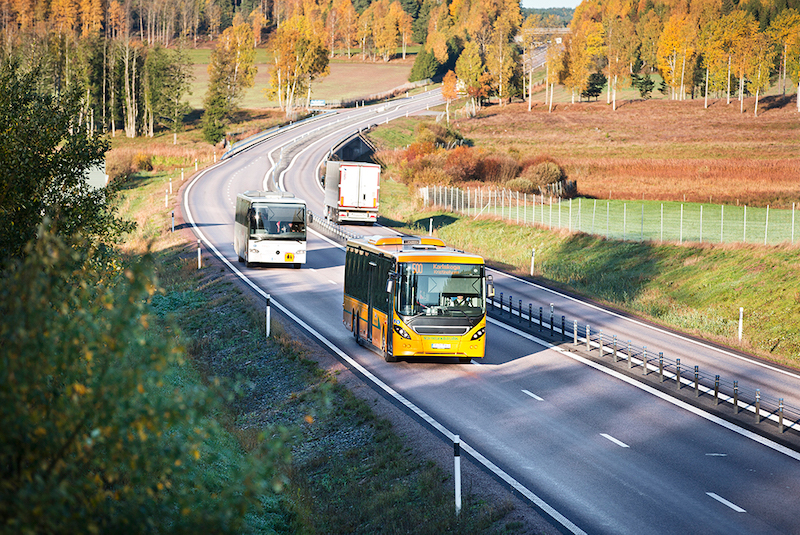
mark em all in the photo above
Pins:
pixel 542 4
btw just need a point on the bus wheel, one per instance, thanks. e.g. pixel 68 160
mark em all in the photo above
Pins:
pixel 241 259
pixel 388 355
pixel 296 265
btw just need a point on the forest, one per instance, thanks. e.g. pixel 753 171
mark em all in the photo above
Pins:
pixel 129 56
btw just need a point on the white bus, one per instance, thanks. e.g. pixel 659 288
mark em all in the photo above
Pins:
pixel 270 228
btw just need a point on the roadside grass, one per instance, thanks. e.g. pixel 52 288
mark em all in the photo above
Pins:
pixel 697 288
pixel 348 472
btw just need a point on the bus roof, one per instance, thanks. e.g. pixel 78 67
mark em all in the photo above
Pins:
pixel 405 248
pixel 269 196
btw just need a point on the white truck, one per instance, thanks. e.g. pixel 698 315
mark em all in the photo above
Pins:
pixel 351 192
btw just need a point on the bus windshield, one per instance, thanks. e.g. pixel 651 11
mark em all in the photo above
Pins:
pixel 440 289
pixel 278 221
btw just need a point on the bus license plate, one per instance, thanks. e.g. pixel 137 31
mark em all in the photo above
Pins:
pixel 440 346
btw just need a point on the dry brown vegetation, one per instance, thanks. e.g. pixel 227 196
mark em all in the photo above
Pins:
pixel 658 150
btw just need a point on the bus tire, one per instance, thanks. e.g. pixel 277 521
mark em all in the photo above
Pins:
pixel 388 352
pixel 296 265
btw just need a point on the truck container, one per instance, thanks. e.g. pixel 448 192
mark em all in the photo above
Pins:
pixel 351 192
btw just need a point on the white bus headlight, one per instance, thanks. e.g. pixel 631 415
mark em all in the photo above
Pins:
pixel 480 332
pixel 402 332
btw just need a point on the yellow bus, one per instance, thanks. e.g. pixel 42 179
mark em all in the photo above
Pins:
pixel 413 297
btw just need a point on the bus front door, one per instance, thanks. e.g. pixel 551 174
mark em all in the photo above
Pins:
pixel 370 298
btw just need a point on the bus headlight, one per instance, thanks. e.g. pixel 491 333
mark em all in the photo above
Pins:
pixel 480 332
pixel 402 332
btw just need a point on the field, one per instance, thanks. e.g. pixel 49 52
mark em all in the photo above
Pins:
pixel 658 149
pixel 344 81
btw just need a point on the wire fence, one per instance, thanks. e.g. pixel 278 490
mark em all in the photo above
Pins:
pixel 656 367
pixel 625 220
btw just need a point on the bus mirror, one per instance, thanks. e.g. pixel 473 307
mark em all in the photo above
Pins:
pixel 389 286
pixel 310 218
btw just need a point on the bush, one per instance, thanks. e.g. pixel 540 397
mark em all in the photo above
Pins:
pixel 462 164
pixel 543 173
pixel 522 185
pixel 498 168
pixel 142 162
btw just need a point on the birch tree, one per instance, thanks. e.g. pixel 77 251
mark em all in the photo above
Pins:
pixel 785 32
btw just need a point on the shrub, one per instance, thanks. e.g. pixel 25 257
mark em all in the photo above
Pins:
pixel 522 185
pixel 462 164
pixel 543 173
pixel 498 168
pixel 142 162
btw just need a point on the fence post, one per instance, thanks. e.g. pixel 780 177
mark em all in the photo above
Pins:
pixel 678 373
pixel 758 405
pixel 736 397
pixel 716 390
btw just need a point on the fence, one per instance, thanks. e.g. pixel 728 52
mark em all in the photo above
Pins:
pixel 656 367
pixel 625 220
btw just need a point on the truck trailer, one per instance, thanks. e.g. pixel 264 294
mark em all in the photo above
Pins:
pixel 351 192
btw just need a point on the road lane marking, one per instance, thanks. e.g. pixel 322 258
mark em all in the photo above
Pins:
pixel 723 501
pixel 531 394
pixel 435 424
pixel 614 440
pixel 755 437
pixel 716 454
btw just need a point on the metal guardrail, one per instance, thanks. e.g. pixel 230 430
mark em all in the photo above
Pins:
pixel 245 144
pixel 331 229
pixel 655 367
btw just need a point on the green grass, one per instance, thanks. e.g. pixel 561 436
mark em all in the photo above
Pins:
pixel 694 287
pixel 635 220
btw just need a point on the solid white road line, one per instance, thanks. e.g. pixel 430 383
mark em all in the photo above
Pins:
pixel 614 440
pixel 723 501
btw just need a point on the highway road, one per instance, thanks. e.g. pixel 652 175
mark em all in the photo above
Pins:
pixel 593 449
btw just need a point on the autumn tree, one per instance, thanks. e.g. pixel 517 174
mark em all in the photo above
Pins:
pixel 449 91
pixel 675 49
pixel 785 32
pixel 582 49
pixel 300 56
pixel 469 68
pixel 231 70
pixel 758 71
pixel 502 56
pixel 621 46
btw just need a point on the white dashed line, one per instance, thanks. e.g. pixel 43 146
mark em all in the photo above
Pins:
pixel 614 440
pixel 723 501
pixel 531 394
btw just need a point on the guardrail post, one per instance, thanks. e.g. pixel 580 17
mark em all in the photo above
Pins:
pixel 510 306
pixel 574 332
pixel 758 405
pixel 736 397
pixel 661 366
pixel 520 311
pixel 615 348
pixel 563 328
pixel 697 381
pixel 530 315
pixel 540 319
pixel 644 360
pixel 600 341
pixel 501 303
pixel 588 334
pixel 716 390
pixel 552 327
pixel 630 360
pixel 780 415
pixel 678 373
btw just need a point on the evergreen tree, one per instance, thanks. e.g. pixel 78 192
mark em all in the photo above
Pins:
pixel 425 66
pixel 594 86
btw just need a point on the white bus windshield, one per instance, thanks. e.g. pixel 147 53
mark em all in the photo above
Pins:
pixel 278 221
pixel 440 289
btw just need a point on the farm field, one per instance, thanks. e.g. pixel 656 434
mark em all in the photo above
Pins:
pixel 658 149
